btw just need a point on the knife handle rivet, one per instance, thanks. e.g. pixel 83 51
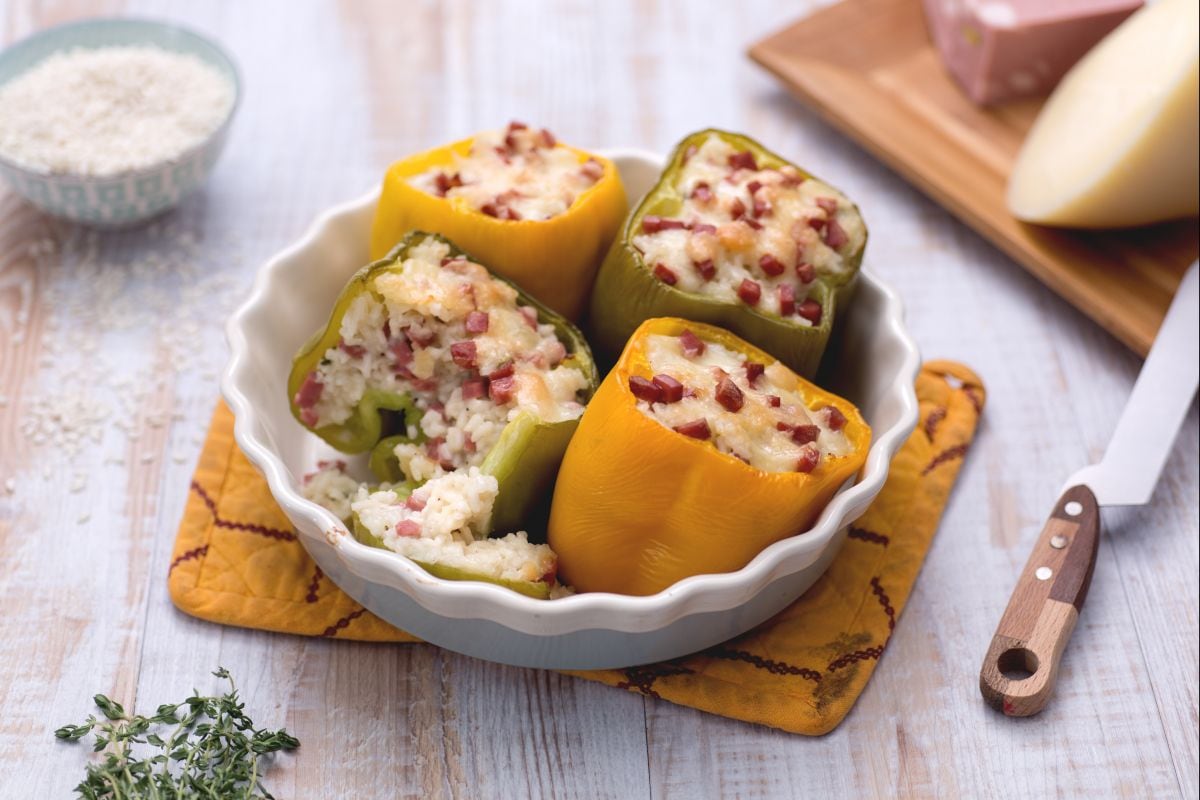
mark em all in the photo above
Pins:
pixel 1058 542
pixel 1044 573
pixel 1073 508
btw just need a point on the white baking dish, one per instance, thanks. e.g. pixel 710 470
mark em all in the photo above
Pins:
pixel 875 363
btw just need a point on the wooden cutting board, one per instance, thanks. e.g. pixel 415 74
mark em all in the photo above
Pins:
pixel 869 68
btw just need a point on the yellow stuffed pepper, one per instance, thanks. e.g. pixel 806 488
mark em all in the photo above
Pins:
pixel 697 452
pixel 537 212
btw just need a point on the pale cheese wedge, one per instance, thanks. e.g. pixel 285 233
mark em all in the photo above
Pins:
pixel 1117 143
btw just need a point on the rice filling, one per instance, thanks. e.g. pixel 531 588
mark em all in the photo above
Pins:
pixel 519 173
pixel 746 409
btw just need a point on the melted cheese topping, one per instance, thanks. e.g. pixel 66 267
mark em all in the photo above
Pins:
pixel 446 333
pixel 732 232
pixel 752 432
pixel 517 173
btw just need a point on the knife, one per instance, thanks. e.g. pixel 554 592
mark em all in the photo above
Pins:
pixel 1021 666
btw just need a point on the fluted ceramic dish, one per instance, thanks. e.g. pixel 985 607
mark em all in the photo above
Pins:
pixel 876 365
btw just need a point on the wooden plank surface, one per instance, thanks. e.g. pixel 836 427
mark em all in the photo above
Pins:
pixel 119 335
pixel 869 67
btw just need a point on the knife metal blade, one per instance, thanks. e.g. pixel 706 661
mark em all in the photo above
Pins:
pixel 1161 397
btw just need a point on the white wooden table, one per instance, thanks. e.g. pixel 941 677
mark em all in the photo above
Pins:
pixel 125 351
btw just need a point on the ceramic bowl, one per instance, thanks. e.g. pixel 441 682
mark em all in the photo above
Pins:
pixel 877 363
pixel 130 197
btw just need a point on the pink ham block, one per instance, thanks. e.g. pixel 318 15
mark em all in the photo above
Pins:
pixel 1000 50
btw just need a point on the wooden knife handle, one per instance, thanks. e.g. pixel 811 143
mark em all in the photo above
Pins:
pixel 1021 666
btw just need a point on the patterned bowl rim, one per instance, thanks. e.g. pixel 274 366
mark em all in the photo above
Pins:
pixel 477 600
pixel 99 22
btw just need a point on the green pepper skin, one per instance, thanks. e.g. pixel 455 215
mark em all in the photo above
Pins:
pixel 525 459
pixel 627 293
pixel 539 590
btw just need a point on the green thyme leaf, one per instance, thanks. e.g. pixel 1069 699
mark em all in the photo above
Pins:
pixel 213 750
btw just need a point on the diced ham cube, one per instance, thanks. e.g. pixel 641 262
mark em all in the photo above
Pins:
pixel 592 169
pixel 408 528
pixel 835 235
pixel 473 388
pixel 729 395
pixel 702 193
pixel 463 354
pixel 754 371
pixel 530 315
pixel 787 300
pixel 669 389
pixel 809 457
pixel 829 204
pixel 817 223
pixel 806 272
pixel 415 502
pixel 309 417
pixel 665 274
pixel 743 160
pixel 402 353
pixel 773 400
pixel 309 392
pixel 749 292
pixel 811 310
pixel 753 186
pixel 352 350
pixel 503 389
pixel 697 429
pixel 761 208
pixel 477 322
pixel 771 265
pixel 691 151
pixel 834 418
pixel 644 389
pixel 547 138
pixel 706 268
pixel 444 183
pixel 737 209
pixel 803 434
pixel 653 224
pixel 502 371
pixel 702 227
pixel 692 344
pixel 753 223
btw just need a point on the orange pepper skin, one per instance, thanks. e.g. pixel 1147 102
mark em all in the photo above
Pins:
pixel 555 260
pixel 638 507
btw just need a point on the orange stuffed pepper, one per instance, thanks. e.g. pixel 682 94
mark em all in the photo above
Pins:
pixel 537 212
pixel 697 451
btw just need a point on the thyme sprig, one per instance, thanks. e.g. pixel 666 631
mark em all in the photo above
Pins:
pixel 210 749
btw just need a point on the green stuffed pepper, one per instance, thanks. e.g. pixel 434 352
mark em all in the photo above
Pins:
pixel 735 236
pixel 465 391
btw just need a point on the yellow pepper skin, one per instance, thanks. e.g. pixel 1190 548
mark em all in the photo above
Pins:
pixel 638 507
pixel 555 260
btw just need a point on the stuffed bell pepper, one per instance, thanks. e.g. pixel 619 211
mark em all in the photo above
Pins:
pixel 464 390
pixel 735 236
pixel 535 211
pixel 697 451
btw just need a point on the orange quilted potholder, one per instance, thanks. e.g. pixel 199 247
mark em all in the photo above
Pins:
pixel 238 561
